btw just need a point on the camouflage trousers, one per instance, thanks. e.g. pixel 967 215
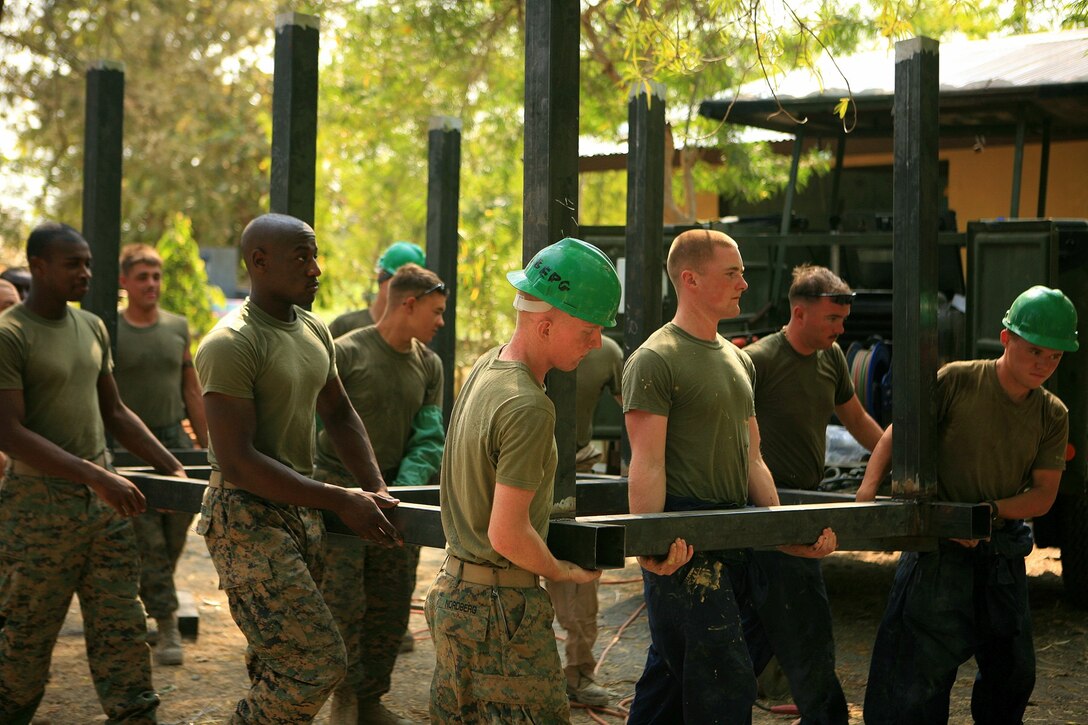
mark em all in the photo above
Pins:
pixel 57 539
pixel 270 558
pixel 369 590
pixel 576 609
pixel 496 660
pixel 161 536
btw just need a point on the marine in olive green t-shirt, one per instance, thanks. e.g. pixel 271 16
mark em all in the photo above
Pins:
pixel 981 456
pixel 57 363
pixel 388 388
pixel 281 367
pixel 705 389
pixel 500 430
pixel 149 366
pixel 795 397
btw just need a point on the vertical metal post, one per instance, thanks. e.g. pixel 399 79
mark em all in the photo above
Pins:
pixel 102 152
pixel 833 207
pixel 1044 169
pixel 294 116
pixel 778 271
pixel 914 311
pixel 645 220
pixel 551 180
pixel 443 196
pixel 1017 166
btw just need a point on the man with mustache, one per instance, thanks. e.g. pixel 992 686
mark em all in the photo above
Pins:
pixel 801 379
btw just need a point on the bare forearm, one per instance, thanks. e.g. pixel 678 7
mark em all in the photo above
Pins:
pixel 131 432
pixel 646 486
pixel 524 548
pixel 761 488
pixel 866 432
pixel 194 411
pixel 352 444
pixel 1030 503
pixel 268 478
pixel 877 468
pixel 32 449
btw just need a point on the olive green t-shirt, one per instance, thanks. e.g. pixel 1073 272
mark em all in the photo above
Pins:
pixel 281 367
pixel 704 387
pixel 349 321
pixel 57 364
pixel 988 444
pixel 148 369
pixel 387 388
pixel 795 397
pixel 502 429
pixel 601 368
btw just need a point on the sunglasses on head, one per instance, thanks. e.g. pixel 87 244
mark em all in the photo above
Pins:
pixel 440 287
pixel 837 297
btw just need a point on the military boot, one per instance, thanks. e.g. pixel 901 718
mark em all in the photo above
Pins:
pixel 168 648
pixel 373 712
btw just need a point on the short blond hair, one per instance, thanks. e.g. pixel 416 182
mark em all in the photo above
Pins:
pixel 133 254
pixel 693 249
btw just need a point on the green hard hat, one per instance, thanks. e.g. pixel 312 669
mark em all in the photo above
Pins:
pixel 1044 317
pixel 400 254
pixel 575 277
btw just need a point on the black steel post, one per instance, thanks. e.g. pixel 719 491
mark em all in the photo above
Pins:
pixel 914 256
pixel 1044 169
pixel 102 152
pixel 551 181
pixel 778 273
pixel 1017 165
pixel 443 198
pixel 294 116
pixel 645 220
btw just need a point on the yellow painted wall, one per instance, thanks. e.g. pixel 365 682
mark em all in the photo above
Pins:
pixel 980 184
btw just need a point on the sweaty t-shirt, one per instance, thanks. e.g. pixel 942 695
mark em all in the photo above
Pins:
pixel 704 387
pixel 795 397
pixel 148 369
pixel 502 429
pixel 57 363
pixel 387 388
pixel 281 367
pixel 988 443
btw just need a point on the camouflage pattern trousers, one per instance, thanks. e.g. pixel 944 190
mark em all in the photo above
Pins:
pixel 496 660
pixel 161 536
pixel 369 590
pixel 57 538
pixel 576 609
pixel 269 558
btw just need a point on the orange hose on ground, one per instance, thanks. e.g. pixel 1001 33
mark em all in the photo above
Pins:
pixel 616 637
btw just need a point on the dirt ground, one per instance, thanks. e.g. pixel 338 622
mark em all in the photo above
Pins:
pixel 205 689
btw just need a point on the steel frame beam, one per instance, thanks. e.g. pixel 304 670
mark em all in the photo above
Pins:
pixel 604 542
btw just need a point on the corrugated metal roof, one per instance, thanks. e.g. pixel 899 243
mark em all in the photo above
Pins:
pixel 1041 76
pixel 1021 60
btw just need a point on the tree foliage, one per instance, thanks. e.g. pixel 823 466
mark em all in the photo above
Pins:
pixel 185 287
pixel 196 129
pixel 198 99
